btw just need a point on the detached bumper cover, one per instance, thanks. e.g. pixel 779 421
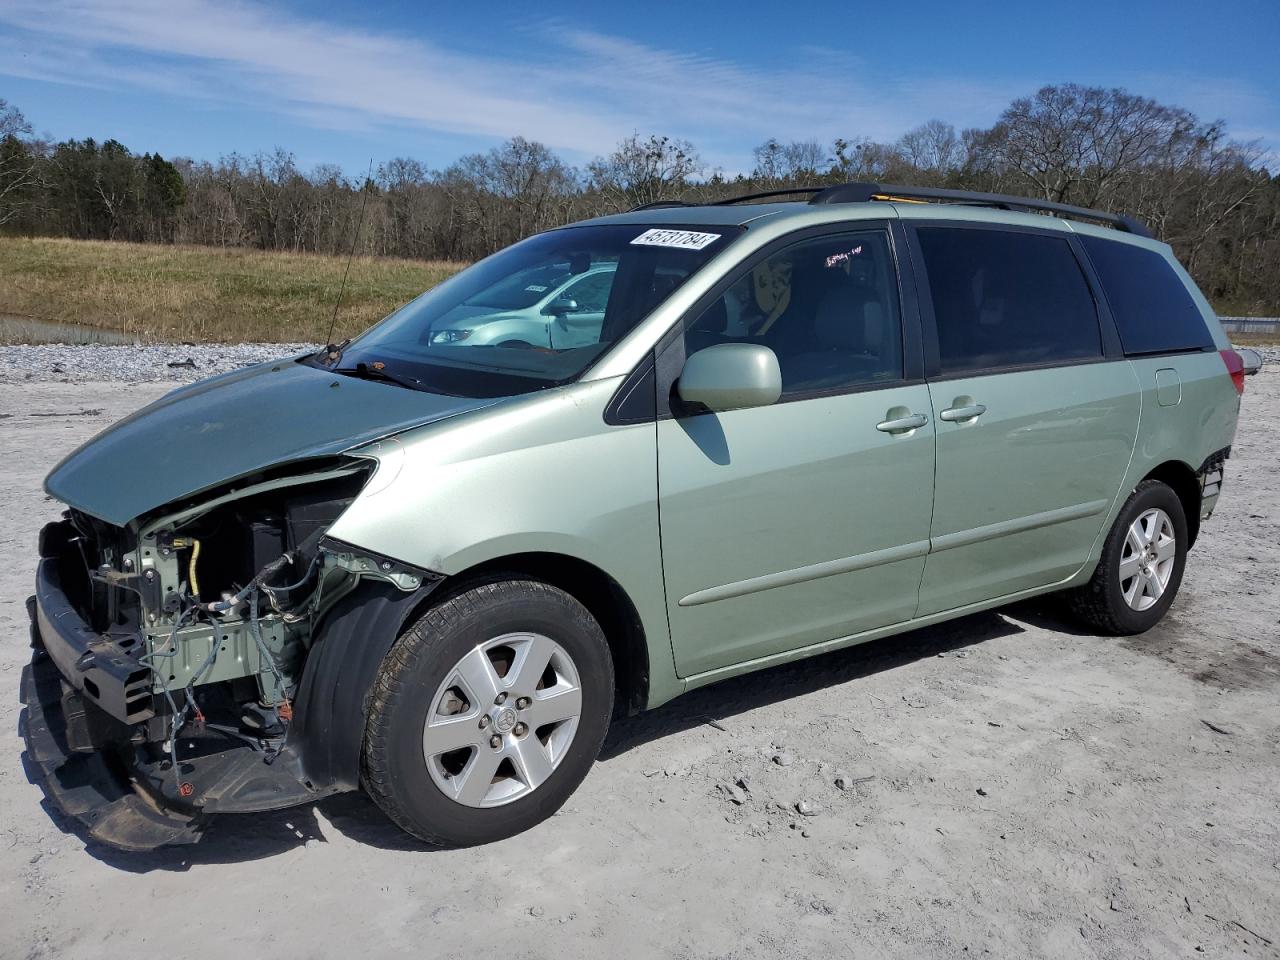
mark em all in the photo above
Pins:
pixel 87 788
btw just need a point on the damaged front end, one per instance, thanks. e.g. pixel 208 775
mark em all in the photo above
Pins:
pixel 209 657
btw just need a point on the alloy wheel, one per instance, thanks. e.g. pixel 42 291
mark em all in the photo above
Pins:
pixel 1147 561
pixel 502 720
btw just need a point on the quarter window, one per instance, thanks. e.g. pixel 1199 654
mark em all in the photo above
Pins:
pixel 828 308
pixel 1007 299
pixel 1153 310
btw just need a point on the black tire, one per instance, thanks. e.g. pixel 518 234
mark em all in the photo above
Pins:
pixel 1100 603
pixel 394 771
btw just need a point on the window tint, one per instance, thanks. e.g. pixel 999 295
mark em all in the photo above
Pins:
pixel 591 293
pixel 1006 299
pixel 827 307
pixel 1152 308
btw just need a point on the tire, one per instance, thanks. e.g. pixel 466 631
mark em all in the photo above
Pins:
pixel 436 672
pixel 1122 606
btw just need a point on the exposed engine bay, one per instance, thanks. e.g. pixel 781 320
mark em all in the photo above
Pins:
pixel 186 634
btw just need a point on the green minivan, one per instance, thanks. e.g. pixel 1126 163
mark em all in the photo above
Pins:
pixel 434 567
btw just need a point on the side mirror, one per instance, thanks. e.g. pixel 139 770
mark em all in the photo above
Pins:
pixel 731 376
pixel 561 306
pixel 1251 359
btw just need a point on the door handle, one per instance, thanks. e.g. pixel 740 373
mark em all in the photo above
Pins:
pixel 963 413
pixel 912 421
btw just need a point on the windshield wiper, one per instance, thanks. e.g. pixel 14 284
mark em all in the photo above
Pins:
pixel 362 371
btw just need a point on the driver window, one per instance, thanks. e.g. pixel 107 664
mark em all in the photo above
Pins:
pixel 828 308
pixel 591 293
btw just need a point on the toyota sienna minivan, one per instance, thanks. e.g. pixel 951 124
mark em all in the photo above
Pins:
pixel 434 566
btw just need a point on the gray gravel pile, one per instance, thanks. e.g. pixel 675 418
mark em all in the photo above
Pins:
pixel 175 363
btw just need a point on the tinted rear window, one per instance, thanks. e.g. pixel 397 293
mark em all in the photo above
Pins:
pixel 1152 307
pixel 1007 299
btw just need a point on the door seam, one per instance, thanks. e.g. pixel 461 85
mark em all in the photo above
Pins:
pixel 933 500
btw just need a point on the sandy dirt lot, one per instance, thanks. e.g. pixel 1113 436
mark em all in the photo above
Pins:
pixel 1012 788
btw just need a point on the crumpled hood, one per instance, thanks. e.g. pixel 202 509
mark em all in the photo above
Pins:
pixel 233 425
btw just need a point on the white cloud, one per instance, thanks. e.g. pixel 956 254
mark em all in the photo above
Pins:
pixel 577 90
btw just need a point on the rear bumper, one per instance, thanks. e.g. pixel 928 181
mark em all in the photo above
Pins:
pixel 1210 476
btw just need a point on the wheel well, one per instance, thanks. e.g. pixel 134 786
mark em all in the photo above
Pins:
pixel 602 596
pixel 1184 482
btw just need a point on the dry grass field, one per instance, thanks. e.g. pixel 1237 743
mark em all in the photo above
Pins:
pixel 96 291
pixel 153 292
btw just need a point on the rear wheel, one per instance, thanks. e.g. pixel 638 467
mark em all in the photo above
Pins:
pixel 488 713
pixel 1141 566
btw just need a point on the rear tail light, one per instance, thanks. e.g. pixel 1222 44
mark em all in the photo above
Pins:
pixel 1235 367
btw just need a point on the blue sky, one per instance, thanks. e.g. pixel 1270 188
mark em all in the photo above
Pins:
pixel 342 83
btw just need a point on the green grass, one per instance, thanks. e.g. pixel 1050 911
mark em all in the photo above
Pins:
pixel 154 292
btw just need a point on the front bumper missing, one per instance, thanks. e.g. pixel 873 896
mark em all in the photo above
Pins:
pixel 88 702
pixel 95 743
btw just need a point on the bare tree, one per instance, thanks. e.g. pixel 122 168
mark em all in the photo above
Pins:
pixel 18 163
pixel 799 163
pixel 644 171
pixel 1073 143
pixel 932 148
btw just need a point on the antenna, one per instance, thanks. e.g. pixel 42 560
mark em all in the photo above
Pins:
pixel 364 188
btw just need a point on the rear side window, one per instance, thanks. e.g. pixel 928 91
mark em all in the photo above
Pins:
pixel 1003 299
pixel 1152 307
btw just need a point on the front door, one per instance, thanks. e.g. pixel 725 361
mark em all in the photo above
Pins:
pixel 1035 419
pixel 805 521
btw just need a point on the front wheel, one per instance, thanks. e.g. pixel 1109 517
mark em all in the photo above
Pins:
pixel 487 713
pixel 1141 566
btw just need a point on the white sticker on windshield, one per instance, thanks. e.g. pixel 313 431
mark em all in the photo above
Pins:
pixel 682 239
pixel 536 288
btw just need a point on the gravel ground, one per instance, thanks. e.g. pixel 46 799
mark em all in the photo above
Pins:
pixel 1002 785
pixel 137 363
pixel 171 363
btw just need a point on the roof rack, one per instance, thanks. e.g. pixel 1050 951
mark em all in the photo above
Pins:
pixel 659 204
pixel 865 192
pixel 764 194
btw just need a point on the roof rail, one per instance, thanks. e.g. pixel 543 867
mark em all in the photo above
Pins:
pixel 865 192
pixel 659 204
pixel 764 194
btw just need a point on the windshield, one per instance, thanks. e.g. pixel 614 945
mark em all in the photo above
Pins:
pixel 535 314
pixel 522 289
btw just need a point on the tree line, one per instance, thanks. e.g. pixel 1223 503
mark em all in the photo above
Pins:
pixel 1210 196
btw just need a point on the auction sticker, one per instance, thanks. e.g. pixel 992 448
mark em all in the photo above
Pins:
pixel 681 239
